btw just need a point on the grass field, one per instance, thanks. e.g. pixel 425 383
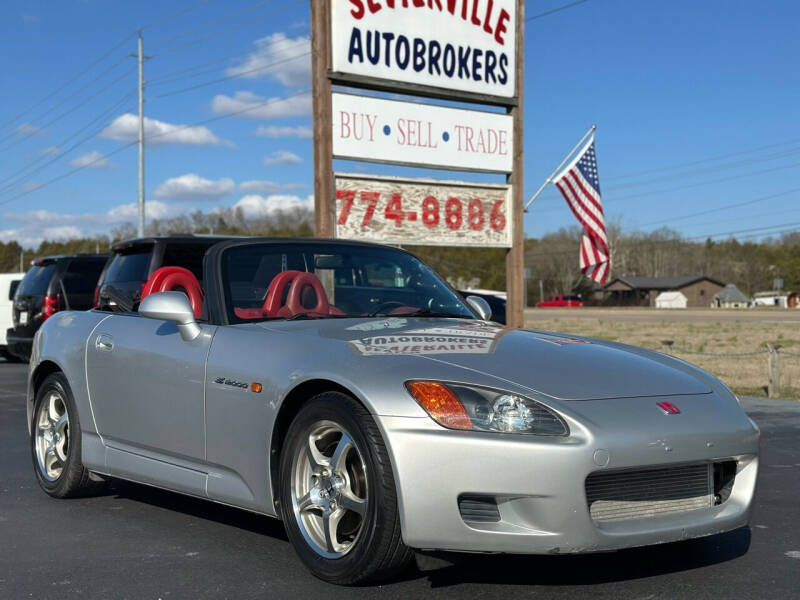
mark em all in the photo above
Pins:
pixel 697 342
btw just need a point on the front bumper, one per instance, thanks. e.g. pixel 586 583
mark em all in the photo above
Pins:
pixel 539 486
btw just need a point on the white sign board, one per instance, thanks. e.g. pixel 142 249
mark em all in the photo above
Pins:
pixel 457 45
pixel 421 211
pixel 409 133
pixel 477 338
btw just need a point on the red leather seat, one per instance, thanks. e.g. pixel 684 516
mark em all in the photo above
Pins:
pixel 168 279
pixel 305 295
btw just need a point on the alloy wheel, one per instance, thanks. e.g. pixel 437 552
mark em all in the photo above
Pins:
pixel 329 489
pixel 52 436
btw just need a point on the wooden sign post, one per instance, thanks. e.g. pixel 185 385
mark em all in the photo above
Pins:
pixel 515 258
pixel 321 92
pixel 470 52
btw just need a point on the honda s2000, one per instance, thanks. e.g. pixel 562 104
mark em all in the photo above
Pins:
pixel 347 390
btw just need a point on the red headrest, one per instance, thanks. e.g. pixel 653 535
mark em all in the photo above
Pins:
pixel 300 281
pixel 167 279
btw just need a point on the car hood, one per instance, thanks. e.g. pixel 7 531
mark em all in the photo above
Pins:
pixel 561 366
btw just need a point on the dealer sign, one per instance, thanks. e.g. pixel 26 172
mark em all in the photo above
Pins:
pixel 410 133
pixel 455 45
pixel 392 210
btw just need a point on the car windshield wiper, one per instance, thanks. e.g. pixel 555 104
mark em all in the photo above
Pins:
pixel 312 315
pixel 425 312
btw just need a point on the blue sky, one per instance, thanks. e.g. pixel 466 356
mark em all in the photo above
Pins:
pixel 712 85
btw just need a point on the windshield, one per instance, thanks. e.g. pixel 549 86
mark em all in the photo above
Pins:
pixel 129 265
pixel 290 281
pixel 36 280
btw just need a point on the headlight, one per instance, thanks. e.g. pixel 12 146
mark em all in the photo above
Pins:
pixel 457 406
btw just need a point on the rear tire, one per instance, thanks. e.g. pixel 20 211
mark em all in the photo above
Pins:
pixel 338 498
pixel 56 442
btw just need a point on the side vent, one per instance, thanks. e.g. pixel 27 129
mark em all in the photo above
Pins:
pixel 478 509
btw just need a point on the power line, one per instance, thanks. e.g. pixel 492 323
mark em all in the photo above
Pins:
pixel 229 17
pixel 175 15
pixel 224 30
pixel 555 10
pixel 97 77
pixel 228 77
pixel 166 133
pixel 719 208
pixel 168 77
pixel 72 95
pixel 750 217
pixel 71 110
pixel 100 158
pixel 761 231
pixel 702 161
pixel 722 167
pixel 69 81
pixel 21 174
pixel 707 182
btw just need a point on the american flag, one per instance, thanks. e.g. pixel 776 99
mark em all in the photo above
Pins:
pixel 580 186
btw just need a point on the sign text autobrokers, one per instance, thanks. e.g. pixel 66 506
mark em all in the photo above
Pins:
pixel 465 45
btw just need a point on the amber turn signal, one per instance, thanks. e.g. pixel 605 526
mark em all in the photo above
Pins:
pixel 255 387
pixel 440 403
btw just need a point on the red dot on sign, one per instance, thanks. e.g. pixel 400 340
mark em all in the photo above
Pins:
pixel 412 216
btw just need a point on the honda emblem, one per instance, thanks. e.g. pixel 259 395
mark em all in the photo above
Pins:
pixel 669 408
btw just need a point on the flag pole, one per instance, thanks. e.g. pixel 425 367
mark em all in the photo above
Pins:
pixel 558 168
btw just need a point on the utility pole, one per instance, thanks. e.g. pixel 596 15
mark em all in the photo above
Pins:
pixel 322 117
pixel 515 257
pixel 141 138
pixel 140 57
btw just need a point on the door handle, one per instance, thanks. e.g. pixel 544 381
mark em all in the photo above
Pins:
pixel 104 342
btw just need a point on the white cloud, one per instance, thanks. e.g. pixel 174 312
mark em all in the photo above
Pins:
pixel 259 107
pixel 29 130
pixel 63 232
pixel 282 157
pixel 91 160
pixel 194 187
pixel 37 225
pixel 50 151
pixel 267 187
pixel 274 131
pixel 280 58
pixel 27 18
pixel 29 186
pixel 125 128
pixel 255 205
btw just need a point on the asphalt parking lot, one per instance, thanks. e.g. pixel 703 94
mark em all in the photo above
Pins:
pixel 142 543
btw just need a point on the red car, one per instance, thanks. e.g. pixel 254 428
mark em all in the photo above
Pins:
pixel 561 301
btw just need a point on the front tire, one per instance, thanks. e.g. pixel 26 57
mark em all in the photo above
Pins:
pixel 338 498
pixel 56 442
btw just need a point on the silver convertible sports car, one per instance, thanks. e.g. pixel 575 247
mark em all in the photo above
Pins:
pixel 347 390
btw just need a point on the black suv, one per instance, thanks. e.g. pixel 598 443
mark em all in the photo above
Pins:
pixel 53 283
pixel 133 261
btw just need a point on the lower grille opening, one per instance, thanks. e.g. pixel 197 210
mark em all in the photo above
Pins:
pixel 478 509
pixel 644 493
pixel 724 476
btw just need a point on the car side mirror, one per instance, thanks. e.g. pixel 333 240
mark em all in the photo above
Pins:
pixel 480 306
pixel 174 307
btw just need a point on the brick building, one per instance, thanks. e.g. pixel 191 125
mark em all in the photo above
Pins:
pixel 642 291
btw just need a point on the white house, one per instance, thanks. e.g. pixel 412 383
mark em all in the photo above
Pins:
pixel 775 298
pixel 671 300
